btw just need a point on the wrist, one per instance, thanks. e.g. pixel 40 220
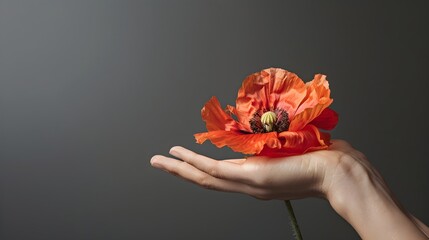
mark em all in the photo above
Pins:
pixel 358 194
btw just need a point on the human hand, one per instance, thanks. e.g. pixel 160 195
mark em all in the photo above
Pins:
pixel 341 174
pixel 307 175
pixel 264 178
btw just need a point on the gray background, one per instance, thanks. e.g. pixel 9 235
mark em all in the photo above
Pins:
pixel 90 90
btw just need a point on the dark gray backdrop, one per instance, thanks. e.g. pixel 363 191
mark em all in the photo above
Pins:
pixel 90 90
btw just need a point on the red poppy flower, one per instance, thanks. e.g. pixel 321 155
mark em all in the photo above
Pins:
pixel 276 114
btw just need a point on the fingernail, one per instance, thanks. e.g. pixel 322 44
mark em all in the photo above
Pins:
pixel 173 150
pixel 154 162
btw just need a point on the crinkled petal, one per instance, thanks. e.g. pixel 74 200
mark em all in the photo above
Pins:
pixel 287 92
pixel 269 89
pixel 233 111
pixel 251 98
pixel 299 142
pixel 305 117
pixel 216 118
pixel 239 142
pixel 307 137
pixel 317 100
pixel 317 89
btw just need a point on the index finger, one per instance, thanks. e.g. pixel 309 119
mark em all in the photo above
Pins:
pixel 219 169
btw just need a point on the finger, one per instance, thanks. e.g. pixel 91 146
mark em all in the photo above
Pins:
pixel 190 173
pixel 218 169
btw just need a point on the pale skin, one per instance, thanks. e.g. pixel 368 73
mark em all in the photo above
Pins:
pixel 341 175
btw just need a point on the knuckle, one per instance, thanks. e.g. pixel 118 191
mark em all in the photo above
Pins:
pixel 206 183
pixel 254 177
pixel 213 170
pixel 262 180
pixel 201 179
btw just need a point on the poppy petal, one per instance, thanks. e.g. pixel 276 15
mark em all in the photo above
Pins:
pixel 286 90
pixel 216 118
pixel 305 117
pixel 299 142
pixel 251 98
pixel 269 89
pixel 317 89
pixel 239 142
pixel 233 111
pixel 317 99
pixel 327 120
pixel 307 137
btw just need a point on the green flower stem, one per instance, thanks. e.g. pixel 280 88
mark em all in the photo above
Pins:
pixel 293 222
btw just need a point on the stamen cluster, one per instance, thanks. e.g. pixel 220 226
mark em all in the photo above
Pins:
pixel 269 121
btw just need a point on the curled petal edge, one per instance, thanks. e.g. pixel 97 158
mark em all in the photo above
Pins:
pixel 216 118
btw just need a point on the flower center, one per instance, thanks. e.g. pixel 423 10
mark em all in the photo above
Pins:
pixel 269 121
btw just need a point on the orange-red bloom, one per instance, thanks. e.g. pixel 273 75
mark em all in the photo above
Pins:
pixel 277 114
